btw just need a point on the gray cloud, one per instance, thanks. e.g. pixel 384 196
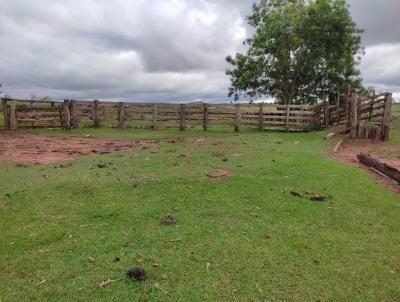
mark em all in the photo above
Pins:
pixel 379 19
pixel 148 51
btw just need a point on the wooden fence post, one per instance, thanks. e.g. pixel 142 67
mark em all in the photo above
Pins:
pixel 371 107
pixel 4 107
pixel 354 115
pixel 338 109
pixel 13 116
pixel 348 107
pixel 73 113
pixel 67 116
pixel 181 117
pixel 237 117
pixel 121 114
pixel 96 113
pixel 261 117
pixel 205 116
pixel 287 118
pixel 326 113
pixel 155 116
pixel 386 117
pixel 317 117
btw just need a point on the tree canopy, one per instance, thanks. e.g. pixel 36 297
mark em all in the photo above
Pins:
pixel 301 51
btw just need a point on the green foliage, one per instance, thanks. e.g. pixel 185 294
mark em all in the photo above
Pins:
pixel 310 127
pixel 301 51
pixel 243 238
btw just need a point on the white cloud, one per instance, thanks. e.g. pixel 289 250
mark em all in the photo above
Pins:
pixel 381 67
pixel 158 50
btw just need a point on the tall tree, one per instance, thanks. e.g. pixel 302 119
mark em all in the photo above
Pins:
pixel 301 51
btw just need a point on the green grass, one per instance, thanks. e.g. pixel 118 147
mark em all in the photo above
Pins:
pixel 395 125
pixel 52 219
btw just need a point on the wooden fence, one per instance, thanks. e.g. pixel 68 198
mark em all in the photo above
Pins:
pixel 367 117
pixel 73 114
pixel 350 111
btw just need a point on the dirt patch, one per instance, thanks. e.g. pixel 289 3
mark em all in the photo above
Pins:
pixel 351 148
pixel 30 148
pixel 220 173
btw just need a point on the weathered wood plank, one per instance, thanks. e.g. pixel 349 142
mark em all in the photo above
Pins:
pixel 354 115
pixel 181 117
pixel 386 169
pixel 260 116
pixel 121 114
pixel 73 107
pixel 155 117
pixel 386 118
pixel 287 118
pixel 238 117
pixel 205 117
pixel 96 119
pixel 67 116
pixel 13 116
pixel 5 110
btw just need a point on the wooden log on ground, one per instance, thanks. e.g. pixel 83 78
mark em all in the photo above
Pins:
pixel 338 145
pixel 384 168
pixel 330 135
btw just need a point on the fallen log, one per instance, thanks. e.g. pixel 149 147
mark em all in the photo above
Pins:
pixel 384 168
pixel 336 149
pixel 330 135
pixel 383 175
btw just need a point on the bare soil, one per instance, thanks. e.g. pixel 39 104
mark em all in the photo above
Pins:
pixel 351 148
pixel 33 148
pixel 217 174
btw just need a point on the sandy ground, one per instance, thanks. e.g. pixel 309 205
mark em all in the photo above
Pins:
pixel 32 148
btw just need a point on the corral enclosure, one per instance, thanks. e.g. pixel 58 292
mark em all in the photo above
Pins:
pixel 30 113
pixel 364 117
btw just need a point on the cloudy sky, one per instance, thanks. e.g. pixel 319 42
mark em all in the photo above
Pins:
pixel 159 50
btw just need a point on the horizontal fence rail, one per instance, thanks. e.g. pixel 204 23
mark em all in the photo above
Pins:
pixel 69 114
pixel 73 114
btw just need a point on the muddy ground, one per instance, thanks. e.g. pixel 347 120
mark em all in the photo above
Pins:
pixel 33 148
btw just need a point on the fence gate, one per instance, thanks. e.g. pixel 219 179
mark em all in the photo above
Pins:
pixel 28 113
pixel 367 117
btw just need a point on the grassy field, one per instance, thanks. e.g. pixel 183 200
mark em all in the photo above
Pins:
pixel 244 237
